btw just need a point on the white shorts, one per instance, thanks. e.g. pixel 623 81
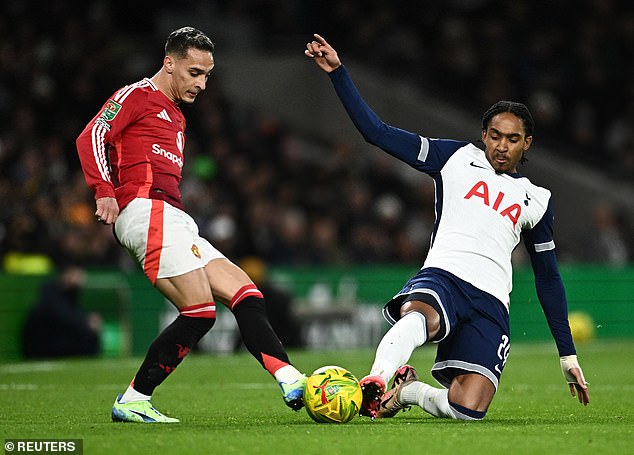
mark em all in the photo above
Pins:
pixel 163 239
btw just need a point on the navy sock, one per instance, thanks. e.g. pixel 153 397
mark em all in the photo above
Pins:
pixel 465 413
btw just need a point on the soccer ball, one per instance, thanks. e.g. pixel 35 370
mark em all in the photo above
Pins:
pixel 581 326
pixel 332 395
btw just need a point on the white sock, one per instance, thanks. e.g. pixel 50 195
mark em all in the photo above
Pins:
pixel 431 399
pixel 131 395
pixel 287 374
pixel 398 343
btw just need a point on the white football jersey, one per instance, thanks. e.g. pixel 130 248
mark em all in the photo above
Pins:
pixel 479 215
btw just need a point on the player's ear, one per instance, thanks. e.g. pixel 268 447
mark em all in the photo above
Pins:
pixel 168 64
pixel 527 142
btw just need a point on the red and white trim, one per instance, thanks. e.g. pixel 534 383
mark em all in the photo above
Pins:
pixel 250 290
pixel 203 310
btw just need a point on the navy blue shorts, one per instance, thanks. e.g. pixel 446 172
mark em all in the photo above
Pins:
pixel 474 332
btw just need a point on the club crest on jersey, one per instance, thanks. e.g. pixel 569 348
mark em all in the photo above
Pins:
pixel 111 110
pixel 481 190
pixel 180 141
pixel 195 251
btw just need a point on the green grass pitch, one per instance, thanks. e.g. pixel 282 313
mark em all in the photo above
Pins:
pixel 229 405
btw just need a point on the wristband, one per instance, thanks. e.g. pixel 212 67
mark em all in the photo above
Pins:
pixel 568 362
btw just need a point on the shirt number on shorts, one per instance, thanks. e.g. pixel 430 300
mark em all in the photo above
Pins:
pixel 503 352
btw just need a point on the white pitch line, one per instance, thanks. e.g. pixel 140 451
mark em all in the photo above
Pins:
pixel 32 367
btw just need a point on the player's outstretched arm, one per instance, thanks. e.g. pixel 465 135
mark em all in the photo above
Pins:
pixel 574 377
pixel 323 53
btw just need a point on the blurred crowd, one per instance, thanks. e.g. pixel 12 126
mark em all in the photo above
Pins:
pixel 257 188
pixel 569 60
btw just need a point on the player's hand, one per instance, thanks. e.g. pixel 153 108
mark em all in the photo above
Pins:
pixel 107 210
pixel 574 376
pixel 323 54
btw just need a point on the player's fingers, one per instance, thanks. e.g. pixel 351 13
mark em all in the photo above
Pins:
pixel 578 374
pixel 583 394
pixel 572 390
pixel 325 47
pixel 112 217
pixel 106 215
pixel 314 49
pixel 321 39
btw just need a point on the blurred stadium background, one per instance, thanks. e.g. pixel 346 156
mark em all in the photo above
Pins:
pixel 276 171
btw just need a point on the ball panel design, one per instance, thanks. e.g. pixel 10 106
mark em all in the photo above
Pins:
pixel 332 395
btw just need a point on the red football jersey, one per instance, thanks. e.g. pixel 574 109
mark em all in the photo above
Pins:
pixel 134 146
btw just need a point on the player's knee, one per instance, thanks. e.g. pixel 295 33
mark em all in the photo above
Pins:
pixel 248 295
pixel 198 318
pixel 464 413
pixel 432 317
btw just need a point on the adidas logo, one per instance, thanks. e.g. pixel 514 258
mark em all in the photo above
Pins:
pixel 164 116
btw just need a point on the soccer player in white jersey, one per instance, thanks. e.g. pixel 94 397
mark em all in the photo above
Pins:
pixel 132 154
pixel 460 297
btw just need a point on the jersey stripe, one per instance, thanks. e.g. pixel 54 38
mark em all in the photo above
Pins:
pixel 144 190
pixel 424 149
pixel 151 84
pixel 99 150
pixel 154 241
pixel 539 247
pixel 99 130
pixel 123 92
pixel 128 89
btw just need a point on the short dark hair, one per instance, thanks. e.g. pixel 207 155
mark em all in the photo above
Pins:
pixel 181 40
pixel 518 109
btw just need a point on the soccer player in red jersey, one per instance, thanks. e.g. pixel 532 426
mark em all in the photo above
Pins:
pixel 132 154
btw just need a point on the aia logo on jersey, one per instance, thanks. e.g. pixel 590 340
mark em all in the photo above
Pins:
pixel 110 110
pixel 481 190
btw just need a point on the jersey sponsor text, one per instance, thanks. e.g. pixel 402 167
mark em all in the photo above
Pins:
pixel 158 150
pixel 481 190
